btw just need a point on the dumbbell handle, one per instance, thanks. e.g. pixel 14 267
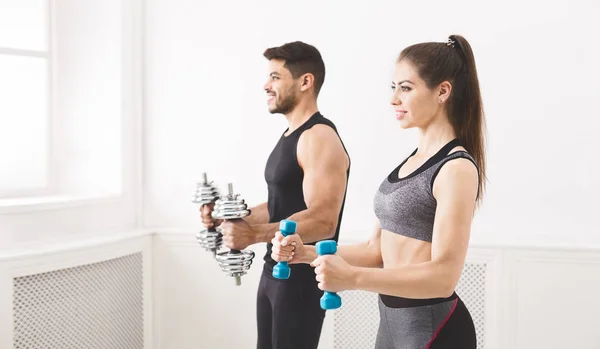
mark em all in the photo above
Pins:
pixel 238 280
pixel 231 194
pixel 329 300
pixel 282 269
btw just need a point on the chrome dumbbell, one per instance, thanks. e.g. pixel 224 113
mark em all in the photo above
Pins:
pixel 207 193
pixel 235 263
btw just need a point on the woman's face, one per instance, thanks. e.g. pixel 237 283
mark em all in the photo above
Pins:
pixel 415 104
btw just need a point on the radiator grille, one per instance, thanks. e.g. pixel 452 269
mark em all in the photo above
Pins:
pixel 471 290
pixel 93 306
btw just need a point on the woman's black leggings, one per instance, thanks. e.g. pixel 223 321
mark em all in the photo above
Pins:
pixel 411 324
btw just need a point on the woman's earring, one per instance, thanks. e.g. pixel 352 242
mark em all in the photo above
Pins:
pixel 441 100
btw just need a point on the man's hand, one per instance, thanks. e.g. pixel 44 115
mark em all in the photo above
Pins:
pixel 288 249
pixel 206 215
pixel 237 234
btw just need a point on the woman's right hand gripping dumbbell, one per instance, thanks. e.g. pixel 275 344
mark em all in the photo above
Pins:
pixel 290 249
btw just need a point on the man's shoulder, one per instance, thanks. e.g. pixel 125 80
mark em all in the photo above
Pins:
pixel 321 143
pixel 321 130
pixel 320 135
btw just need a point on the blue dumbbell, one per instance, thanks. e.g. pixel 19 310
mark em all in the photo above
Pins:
pixel 282 270
pixel 329 300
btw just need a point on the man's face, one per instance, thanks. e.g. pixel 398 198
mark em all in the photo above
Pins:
pixel 282 89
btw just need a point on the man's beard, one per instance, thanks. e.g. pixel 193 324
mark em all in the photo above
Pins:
pixel 286 105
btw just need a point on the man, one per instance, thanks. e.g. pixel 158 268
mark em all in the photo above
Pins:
pixel 307 175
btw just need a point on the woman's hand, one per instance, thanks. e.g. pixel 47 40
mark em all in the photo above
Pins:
pixel 334 274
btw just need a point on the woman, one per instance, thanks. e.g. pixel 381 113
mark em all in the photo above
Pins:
pixel 424 207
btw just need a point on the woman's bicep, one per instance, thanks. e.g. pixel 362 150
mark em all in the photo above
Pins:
pixel 455 190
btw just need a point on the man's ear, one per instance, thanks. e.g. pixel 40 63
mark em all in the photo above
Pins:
pixel 306 82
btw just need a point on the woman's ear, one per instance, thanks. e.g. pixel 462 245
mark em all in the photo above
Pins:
pixel 444 91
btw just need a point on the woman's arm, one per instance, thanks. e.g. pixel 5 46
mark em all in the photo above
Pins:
pixel 366 254
pixel 455 190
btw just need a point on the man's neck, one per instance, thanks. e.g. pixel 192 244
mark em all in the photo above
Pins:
pixel 300 115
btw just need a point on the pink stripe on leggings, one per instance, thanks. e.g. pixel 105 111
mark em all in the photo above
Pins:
pixel 442 325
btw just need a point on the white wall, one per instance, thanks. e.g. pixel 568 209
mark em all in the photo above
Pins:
pixel 196 304
pixel 205 110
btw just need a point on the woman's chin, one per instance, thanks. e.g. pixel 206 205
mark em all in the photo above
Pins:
pixel 404 124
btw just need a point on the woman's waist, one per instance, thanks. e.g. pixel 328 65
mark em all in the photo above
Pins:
pixel 397 259
pixel 398 250
pixel 401 302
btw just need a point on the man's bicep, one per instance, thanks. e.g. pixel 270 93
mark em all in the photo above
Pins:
pixel 324 186
pixel 325 164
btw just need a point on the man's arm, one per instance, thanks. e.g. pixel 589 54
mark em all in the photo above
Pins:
pixel 325 163
pixel 258 215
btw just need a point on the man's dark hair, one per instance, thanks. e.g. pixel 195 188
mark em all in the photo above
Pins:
pixel 300 58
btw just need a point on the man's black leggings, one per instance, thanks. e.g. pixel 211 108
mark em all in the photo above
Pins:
pixel 288 312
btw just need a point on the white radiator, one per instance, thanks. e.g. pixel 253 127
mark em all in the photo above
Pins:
pixel 91 306
pixel 356 322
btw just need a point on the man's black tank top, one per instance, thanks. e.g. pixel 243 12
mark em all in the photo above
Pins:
pixel 284 178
